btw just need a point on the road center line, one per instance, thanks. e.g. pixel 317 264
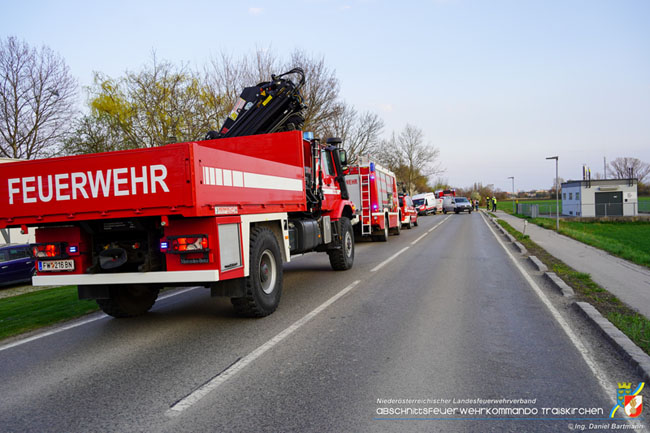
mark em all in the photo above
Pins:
pixel 385 262
pixel 430 230
pixel 218 380
pixel 598 373
pixel 79 323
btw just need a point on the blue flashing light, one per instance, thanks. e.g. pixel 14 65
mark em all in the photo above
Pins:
pixel 164 246
pixel 309 136
pixel 372 166
pixel 372 176
pixel 374 207
pixel 73 250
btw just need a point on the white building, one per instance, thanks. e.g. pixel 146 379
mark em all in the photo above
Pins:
pixel 599 198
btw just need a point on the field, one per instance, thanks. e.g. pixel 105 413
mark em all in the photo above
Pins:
pixel 628 240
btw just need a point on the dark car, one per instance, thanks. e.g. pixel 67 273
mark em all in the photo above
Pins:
pixel 16 264
pixel 461 204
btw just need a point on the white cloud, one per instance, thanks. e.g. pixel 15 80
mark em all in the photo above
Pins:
pixel 255 11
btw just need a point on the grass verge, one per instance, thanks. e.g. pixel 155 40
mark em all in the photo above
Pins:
pixel 631 323
pixel 35 310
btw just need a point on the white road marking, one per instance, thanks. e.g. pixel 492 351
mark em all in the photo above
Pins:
pixel 381 265
pixel 213 384
pixel 586 355
pixel 430 230
pixel 79 323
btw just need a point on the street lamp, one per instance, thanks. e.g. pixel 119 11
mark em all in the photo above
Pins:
pixel 557 195
pixel 513 193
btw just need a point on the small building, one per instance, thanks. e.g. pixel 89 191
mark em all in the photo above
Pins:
pixel 600 197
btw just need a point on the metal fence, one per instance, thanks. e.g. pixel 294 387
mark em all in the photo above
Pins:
pixel 590 210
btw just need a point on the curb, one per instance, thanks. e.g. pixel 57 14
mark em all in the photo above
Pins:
pixel 560 285
pixel 522 249
pixel 637 357
pixel 541 267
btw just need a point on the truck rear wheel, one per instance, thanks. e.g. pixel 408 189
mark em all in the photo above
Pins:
pixel 128 301
pixel 342 258
pixel 383 237
pixel 398 228
pixel 264 282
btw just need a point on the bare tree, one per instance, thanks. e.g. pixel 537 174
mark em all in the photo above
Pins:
pixel 623 167
pixel 37 97
pixel 412 160
pixel 360 133
pixel 162 103
pixel 321 91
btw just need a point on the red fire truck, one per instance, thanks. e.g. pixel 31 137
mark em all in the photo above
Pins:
pixel 373 189
pixel 224 214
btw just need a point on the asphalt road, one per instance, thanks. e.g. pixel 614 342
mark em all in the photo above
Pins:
pixel 432 315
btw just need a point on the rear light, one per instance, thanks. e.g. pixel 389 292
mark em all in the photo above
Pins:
pixel 190 244
pixel 49 251
pixel 191 248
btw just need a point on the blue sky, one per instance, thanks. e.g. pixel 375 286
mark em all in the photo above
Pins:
pixel 496 85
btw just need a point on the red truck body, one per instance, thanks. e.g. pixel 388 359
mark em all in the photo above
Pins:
pixel 373 189
pixel 178 214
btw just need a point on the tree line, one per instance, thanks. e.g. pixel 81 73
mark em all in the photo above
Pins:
pixel 164 102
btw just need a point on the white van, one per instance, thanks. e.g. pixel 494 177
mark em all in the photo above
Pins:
pixel 425 203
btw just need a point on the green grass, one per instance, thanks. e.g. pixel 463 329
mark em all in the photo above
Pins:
pixel 632 324
pixel 34 310
pixel 629 240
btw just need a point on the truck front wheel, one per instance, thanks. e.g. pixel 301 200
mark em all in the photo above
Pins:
pixel 128 301
pixel 342 258
pixel 264 282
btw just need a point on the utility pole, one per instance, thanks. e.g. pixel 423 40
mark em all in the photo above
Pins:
pixel 604 167
pixel 557 194
pixel 513 193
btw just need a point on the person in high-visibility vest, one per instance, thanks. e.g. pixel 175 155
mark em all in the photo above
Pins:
pixel 494 204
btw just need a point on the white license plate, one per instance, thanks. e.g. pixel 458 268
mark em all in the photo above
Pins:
pixel 56 265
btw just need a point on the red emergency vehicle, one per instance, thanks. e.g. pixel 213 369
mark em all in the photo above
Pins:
pixel 445 193
pixel 373 190
pixel 224 214
pixel 409 212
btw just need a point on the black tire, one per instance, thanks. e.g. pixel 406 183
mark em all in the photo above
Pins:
pixel 416 222
pixel 444 211
pixel 456 211
pixel 129 300
pixel 409 225
pixel 342 258
pixel 264 281
pixel 383 237
pixel 397 229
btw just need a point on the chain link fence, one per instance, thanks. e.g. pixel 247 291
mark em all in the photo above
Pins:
pixel 590 210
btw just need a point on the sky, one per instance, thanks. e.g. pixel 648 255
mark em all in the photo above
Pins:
pixel 497 86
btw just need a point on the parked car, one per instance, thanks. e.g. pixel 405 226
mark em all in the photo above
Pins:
pixel 409 213
pixel 16 264
pixel 461 204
